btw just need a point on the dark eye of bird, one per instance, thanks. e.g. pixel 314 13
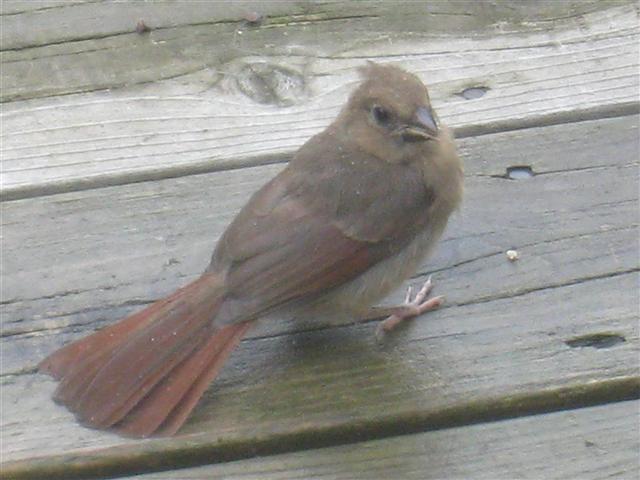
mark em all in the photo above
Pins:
pixel 381 115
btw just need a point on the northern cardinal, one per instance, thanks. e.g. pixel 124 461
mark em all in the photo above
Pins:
pixel 353 215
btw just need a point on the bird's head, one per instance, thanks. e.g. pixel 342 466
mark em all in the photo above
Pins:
pixel 390 115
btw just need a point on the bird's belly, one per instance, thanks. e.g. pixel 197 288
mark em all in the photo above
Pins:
pixel 360 294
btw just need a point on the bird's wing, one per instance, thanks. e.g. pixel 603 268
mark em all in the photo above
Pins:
pixel 309 231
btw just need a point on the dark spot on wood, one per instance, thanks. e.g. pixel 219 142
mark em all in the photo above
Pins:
pixel 519 172
pixel 596 340
pixel 253 19
pixel 472 93
pixel 587 443
pixel 266 83
pixel 142 27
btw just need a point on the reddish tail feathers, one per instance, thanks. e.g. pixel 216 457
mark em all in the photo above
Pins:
pixel 144 375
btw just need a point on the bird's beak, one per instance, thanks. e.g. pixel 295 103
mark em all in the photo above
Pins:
pixel 424 126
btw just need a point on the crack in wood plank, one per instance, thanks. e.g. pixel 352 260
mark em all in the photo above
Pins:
pixel 423 273
pixel 550 286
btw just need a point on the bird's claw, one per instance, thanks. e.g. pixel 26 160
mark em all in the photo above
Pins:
pixel 413 306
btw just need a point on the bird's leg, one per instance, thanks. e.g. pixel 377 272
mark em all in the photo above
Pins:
pixel 412 307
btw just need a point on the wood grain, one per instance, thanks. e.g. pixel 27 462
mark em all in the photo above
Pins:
pixel 129 107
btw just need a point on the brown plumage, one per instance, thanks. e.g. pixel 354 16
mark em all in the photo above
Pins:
pixel 353 214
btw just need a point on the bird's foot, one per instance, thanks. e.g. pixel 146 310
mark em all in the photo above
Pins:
pixel 412 307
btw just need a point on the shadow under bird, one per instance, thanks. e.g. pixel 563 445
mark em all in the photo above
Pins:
pixel 354 213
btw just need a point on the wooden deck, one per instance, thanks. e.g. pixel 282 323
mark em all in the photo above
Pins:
pixel 125 155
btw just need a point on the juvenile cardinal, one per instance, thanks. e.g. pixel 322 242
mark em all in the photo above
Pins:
pixel 354 214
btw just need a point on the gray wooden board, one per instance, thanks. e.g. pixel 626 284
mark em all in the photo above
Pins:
pixel 587 444
pixel 65 21
pixel 173 102
pixel 563 316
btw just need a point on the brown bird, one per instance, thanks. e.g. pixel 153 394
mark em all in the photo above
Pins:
pixel 353 215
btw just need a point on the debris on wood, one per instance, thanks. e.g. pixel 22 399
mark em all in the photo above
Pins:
pixel 142 27
pixel 513 255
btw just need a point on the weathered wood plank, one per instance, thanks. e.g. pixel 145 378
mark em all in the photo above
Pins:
pixel 468 364
pixel 511 328
pixel 586 444
pixel 207 115
pixel 125 246
pixel 62 21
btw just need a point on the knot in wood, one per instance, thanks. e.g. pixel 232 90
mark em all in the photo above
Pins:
pixel 272 84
